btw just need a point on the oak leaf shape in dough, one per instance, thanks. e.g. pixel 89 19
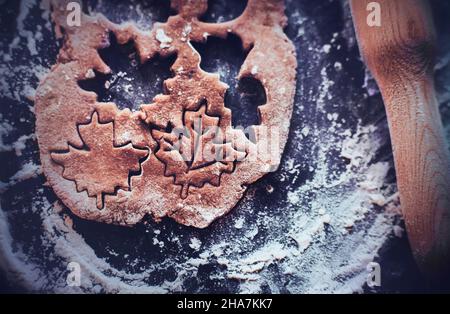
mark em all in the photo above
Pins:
pixel 99 167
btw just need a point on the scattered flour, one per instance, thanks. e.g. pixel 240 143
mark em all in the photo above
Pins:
pixel 327 234
pixel 28 171
pixel 163 38
pixel 326 48
pixel 195 244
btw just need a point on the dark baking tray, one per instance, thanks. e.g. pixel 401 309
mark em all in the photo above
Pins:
pixel 349 99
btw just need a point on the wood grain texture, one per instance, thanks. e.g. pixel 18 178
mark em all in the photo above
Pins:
pixel 400 55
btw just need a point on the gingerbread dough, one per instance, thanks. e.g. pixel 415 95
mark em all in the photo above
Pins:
pixel 116 166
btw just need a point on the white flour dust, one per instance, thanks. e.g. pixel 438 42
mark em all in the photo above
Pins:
pixel 330 227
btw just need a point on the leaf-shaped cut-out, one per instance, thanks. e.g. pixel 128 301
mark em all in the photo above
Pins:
pixel 65 99
pixel 197 154
pixel 100 167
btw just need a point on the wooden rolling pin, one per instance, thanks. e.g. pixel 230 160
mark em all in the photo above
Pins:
pixel 400 54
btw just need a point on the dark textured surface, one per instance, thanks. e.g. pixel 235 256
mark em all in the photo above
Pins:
pixel 399 273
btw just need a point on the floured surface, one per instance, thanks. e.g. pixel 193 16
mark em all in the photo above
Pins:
pixel 84 143
pixel 312 226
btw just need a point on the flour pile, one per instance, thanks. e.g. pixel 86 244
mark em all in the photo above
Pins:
pixel 312 226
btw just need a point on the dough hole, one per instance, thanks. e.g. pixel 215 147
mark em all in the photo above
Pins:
pixel 130 84
pixel 225 56
pixel 230 9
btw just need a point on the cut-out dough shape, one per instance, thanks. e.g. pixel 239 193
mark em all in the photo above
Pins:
pixel 100 167
pixel 193 193
pixel 200 156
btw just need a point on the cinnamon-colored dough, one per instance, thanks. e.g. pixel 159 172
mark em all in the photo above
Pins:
pixel 137 173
